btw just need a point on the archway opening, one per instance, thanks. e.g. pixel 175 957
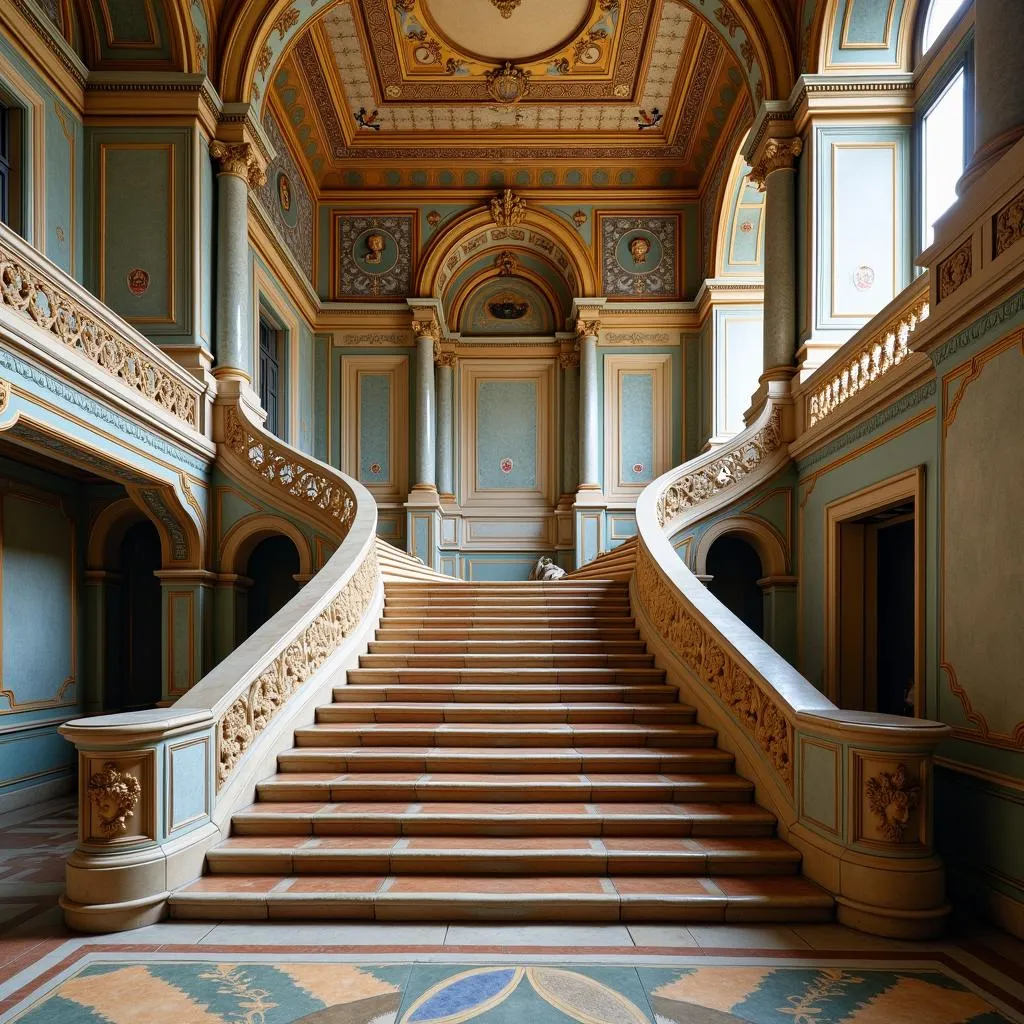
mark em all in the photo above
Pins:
pixel 735 567
pixel 139 683
pixel 273 566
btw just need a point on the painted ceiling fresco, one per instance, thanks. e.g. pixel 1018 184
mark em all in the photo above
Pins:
pixel 420 92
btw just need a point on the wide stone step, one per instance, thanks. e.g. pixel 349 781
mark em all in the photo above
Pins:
pixel 510 675
pixel 506 660
pixel 520 693
pixel 505 855
pixel 509 589
pixel 565 618
pixel 526 762
pixel 550 634
pixel 518 735
pixel 424 711
pixel 512 649
pixel 561 898
pixel 448 787
pixel 464 818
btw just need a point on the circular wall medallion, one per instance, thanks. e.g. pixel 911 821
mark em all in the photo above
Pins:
pixel 534 30
pixel 375 251
pixel 638 467
pixel 375 469
pixel 506 465
pixel 639 252
pixel 589 53
pixel 864 278
pixel 138 281
pixel 746 227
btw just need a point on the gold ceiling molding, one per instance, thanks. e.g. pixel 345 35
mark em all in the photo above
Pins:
pixel 506 8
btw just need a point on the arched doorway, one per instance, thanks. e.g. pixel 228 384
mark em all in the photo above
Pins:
pixel 139 684
pixel 735 567
pixel 273 566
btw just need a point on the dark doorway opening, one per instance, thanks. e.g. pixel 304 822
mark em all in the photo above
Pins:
pixel 139 684
pixel 735 567
pixel 272 567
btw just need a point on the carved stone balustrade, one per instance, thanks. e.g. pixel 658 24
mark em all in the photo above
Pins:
pixel 158 788
pixel 851 790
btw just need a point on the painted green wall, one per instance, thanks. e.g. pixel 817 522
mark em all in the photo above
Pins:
pixel 61 137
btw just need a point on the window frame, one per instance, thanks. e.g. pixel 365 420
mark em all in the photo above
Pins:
pixel 266 324
pixel 960 60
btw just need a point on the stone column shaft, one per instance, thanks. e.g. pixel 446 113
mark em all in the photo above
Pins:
pixel 589 470
pixel 775 174
pixel 998 97
pixel 240 169
pixel 426 414
pixel 571 417
pixel 445 385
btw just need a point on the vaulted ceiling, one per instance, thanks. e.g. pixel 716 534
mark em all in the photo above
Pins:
pixel 435 93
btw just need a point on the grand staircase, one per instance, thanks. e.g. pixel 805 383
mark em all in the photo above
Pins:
pixel 505 752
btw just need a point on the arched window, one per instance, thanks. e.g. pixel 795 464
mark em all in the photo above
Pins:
pixel 945 118
pixel 939 14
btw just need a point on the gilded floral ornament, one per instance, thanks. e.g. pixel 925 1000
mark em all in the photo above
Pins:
pixel 892 797
pixel 114 794
pixel 956 270
pixel 508 84
pixel 506 8
pixel 506 263
pixel 508 209
pixel 5 394
pixel 1009 224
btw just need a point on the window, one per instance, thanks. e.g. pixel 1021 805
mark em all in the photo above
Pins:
pixel 11 123
pixel 943 145
pixel 5 163
pixel 270 374
pixel 940 14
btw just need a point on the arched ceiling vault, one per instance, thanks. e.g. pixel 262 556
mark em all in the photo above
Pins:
pixel 645 90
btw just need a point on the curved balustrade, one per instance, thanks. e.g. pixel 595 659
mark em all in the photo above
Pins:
pixel 851 790
pixel 158 788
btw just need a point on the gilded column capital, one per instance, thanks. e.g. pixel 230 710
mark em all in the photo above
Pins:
pixel 569 360
pixel 587 329
pixel 427 327
pixel 241 159
pixel 446 357
pixel 777 155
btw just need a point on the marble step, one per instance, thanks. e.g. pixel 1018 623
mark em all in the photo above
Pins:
pixel 543 632
pixel 508 675
pixel 511 648
pixel 465 818
pixel 500 615
pixel 483 855
pixel 519 693
pixel 559 898
pixel 451 787
pixel 495 760
pixel 502 736
pixel 423 711
pixel 506 589
pixel 524 659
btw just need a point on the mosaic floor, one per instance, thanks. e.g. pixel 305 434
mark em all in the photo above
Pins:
pixel 269 973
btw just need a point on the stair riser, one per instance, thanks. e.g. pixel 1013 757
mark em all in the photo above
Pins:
pixel 508 676
pixel 482 863
pixel 526 694
pixel 531 715
pixel 462 635
pixel 523 660
pixel 510 649
pixel 585 827
pixel 513 738
pixel 536 792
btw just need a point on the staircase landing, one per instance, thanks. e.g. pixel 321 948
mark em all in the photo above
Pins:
pixel 505 752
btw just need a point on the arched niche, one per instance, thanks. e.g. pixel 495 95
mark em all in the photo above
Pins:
pixel 761 536
pixel 242 539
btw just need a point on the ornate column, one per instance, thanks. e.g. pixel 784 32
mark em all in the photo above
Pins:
pixel 775 175
pixel 241 168
pixel 444 384
pixel 589 508
pixel 428 344
pixel 998 97
pixel 586 341
pixel 569 360
pixel 423 508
